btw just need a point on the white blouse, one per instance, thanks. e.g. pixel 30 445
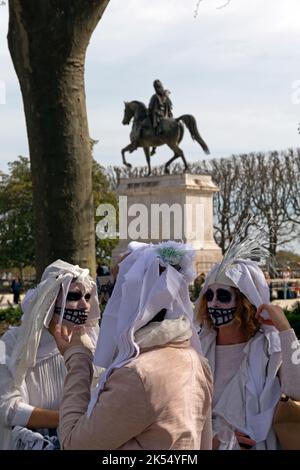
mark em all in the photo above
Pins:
pixel 228 361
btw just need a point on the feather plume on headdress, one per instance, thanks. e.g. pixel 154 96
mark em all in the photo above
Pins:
pixel 239 267
pixel 250 247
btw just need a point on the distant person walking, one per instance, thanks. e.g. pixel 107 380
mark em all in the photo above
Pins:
pixel 286 274
pixel 16 286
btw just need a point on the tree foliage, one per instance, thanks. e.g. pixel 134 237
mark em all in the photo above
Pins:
pixel 16 214
pixel 232 204
pixel 47 41
pixel 258 184
pixel 103 194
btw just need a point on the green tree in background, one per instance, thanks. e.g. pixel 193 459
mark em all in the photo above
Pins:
pixel 103 194
pixel 16 215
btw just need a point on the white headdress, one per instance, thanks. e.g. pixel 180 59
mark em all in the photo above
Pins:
pixel 142 291
pixel 239 267
pixel 38 307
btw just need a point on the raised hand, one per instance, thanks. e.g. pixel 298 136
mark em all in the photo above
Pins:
pixel 276 318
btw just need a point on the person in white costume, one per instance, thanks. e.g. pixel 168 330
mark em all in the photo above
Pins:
pixel 156 390
pixel 32 376
pixel 249 344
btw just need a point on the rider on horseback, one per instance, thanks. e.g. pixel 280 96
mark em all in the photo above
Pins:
pixel 160 106
pixel 169 132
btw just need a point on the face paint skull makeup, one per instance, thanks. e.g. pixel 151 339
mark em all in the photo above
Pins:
pixel 77 316
pixel 221 304
pixel 77 295
pixel 77 305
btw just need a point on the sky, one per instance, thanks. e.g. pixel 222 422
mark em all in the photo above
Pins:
pixel 233 68
pixel 236 69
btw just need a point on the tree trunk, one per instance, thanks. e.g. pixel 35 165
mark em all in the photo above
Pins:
pixel 21 273
pixel 47 42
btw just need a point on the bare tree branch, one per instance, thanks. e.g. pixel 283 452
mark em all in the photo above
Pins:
pixel 218 8
pixel 266 186
pixel 197 8
pixel 224 5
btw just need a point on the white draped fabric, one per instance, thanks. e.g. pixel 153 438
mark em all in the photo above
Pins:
pixel 34 370
pixel 141 291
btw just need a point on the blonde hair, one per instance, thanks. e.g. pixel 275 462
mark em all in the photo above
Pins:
pixel 245 314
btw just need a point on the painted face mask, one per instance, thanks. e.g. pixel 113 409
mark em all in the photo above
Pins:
pixel 78 316
pixel 221 304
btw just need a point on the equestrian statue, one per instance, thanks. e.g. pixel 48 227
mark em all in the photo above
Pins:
pixel 155 126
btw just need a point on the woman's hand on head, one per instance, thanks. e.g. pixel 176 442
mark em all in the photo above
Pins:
pixel 276 318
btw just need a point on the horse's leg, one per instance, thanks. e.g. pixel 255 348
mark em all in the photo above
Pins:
pixel 147 155
pixel 186 167
pixel 129 148
pixel 177 153
pixel 169 163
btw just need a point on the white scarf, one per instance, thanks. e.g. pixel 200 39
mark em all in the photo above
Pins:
pixel 161 333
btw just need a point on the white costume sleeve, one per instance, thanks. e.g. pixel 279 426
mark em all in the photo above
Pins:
pixel 14 407
pixel 20 414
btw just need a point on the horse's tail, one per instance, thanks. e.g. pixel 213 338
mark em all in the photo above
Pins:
pixel 191 124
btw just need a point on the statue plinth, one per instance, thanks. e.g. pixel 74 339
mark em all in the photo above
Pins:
pixel 176 207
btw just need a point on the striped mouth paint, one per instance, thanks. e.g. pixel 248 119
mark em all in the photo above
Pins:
pixel 221 316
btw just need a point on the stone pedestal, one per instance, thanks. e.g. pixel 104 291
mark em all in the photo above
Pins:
pixel 176 207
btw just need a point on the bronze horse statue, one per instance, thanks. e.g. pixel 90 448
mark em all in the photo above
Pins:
pixel 171 133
